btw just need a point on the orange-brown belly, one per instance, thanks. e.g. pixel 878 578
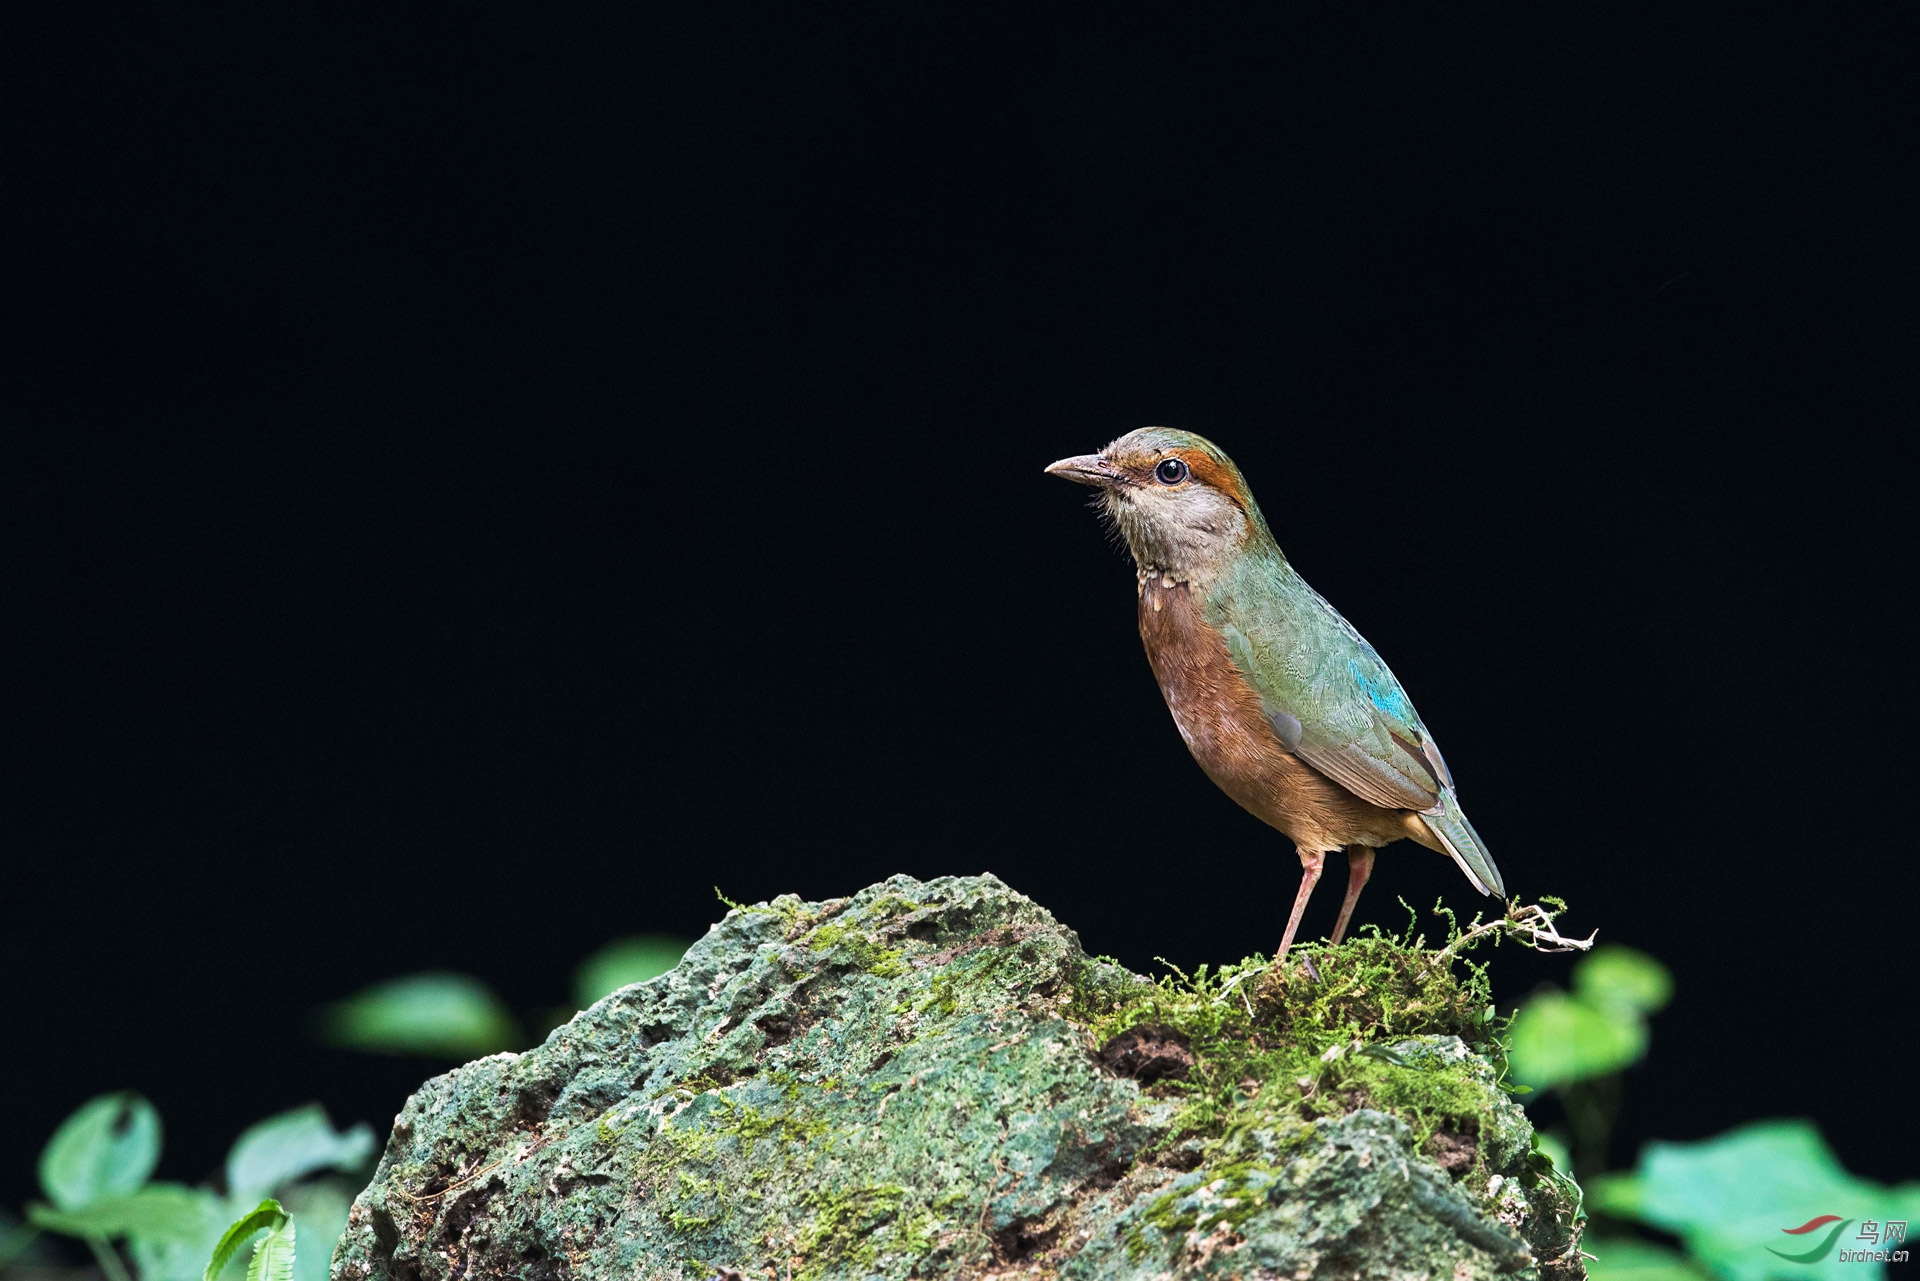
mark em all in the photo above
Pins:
pixel 1220 717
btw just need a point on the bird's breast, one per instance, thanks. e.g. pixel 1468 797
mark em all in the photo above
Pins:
pixel 1220 717
pixel 1218 712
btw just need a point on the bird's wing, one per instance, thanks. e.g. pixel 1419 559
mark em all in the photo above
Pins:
pixel 1332 701
pixel 1328 694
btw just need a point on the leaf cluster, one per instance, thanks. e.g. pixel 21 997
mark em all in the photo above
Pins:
pixel 1729 1198
pixel 96 1173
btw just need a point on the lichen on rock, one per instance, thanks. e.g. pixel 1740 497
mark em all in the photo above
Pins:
pixel 932 1079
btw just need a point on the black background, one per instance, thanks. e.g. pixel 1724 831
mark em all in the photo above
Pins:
pixel 474 484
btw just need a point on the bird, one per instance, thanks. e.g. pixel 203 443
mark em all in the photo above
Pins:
pixel 1285 705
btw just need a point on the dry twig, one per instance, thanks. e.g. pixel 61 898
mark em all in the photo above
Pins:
pixel 1530 923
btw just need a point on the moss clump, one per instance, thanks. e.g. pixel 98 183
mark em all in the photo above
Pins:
pixel 1236 1192
pixel 1341 1027
pixel 854 1226
pixel 794 915
pixel 864 954
pixel 1375 987
pixel 748 1123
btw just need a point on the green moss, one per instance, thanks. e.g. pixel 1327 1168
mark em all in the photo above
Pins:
pixel 1427 1097
pixel 789 1085
pixel 793 914
pixel 697 1204
pixel 844 1225
pixel 1375 986
pixel 676 1144
pixel 958 985
pixel 1233 1194
pixel 1275 1048
pixel 942 998
pixel 875 959
pixel 748 1123
pixel 850 933
pixel 888 906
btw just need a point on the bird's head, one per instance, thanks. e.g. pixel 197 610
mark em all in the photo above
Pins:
pixel 1180 503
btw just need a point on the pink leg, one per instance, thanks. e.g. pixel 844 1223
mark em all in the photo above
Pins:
pixel 1310 865
pixel 1359 868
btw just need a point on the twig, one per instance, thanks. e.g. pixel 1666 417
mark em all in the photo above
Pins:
pixel 455 1186
pixel 1531 923
pixel 1228 986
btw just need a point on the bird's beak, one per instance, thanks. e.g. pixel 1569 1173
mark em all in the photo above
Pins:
pixel 1087 469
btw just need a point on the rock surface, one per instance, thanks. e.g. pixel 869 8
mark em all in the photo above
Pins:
pixel 933 1080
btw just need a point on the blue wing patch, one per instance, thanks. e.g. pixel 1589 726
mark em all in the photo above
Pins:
pixel 1384 695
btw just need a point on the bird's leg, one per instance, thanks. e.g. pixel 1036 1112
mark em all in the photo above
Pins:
pixel 1359 868
pixel 1311 862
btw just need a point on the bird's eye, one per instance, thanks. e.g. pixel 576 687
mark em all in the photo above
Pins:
pixel 1171 471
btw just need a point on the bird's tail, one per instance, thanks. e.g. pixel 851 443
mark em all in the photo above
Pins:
pixel 1457 837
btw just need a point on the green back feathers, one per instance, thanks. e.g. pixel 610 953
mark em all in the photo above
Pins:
pixel 1332 699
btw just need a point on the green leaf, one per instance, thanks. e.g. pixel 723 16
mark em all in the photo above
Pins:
pixel 157 1212
pixel 1626 1259
pixel 321 1207
pixel 173 1260
pixel 267 1214
pixel 273 1256
pixel 444 1015
pixel 291 1146
pixel 628 960
pixel 1554 1147
pixel 1556 1039
pixel 1619 978
pixel 107 1148
pixel 1731 1199
pixel 176 1260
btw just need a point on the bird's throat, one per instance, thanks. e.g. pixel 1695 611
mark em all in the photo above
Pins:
pixel 1189 540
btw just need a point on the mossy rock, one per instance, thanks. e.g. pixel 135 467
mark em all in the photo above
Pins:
pixel 933 1080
